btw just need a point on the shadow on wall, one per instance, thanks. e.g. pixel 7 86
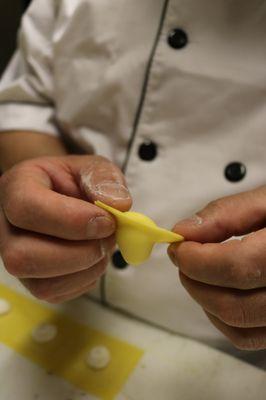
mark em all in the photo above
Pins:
pixel 10 14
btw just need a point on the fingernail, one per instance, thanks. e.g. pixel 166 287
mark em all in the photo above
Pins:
pixel 100 227
pixel 115 190
pixel 195 220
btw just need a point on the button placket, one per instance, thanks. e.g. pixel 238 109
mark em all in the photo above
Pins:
pixel 140 145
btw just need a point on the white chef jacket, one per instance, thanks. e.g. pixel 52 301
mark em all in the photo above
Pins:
pixel 173 91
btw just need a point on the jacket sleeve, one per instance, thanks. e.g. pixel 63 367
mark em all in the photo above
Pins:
pixel 26 87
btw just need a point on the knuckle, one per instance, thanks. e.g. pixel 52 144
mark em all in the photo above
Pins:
pixel 241 317
pixel 216 210
pixel 19 260
pixel 17 209
pixel 244 275
pixel 215 206
pixel 100 159
pixel 225 313
pixel 235 314
pixel 253 274
pixel 8 178
pixel 14 258
pixel 40 290
pixel 234 276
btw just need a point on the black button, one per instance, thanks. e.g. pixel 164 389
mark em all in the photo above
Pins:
pixel 118 260
pixel 148 151
pixel 235 172
pixel 177 38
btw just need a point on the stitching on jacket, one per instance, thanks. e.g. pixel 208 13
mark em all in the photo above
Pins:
pixel 145 84
pixel 103 297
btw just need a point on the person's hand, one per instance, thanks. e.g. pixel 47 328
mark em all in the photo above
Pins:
pixel 228 279
pixel 51 235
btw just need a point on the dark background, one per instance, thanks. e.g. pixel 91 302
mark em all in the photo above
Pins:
pixel 10 14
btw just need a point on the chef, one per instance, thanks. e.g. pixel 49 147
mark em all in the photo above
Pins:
pixel 162 102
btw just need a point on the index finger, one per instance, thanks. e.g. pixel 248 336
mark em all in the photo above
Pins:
pixel 239 264
pixel 31 204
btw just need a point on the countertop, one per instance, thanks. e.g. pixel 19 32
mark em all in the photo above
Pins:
pixel 147 363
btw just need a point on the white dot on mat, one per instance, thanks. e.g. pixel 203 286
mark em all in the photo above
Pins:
pixel 5 307
pixel 98 358
pixel 44 333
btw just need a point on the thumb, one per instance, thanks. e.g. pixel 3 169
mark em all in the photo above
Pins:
pixel 102 180
pixel 226 217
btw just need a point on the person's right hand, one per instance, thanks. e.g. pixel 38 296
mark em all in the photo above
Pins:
pixel 51 235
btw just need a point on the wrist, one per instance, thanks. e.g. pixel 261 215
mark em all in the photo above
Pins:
pixel 19 146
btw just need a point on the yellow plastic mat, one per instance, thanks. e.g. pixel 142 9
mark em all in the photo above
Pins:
pixel 65 355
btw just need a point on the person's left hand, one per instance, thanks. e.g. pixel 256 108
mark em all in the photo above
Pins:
pixel 228 279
